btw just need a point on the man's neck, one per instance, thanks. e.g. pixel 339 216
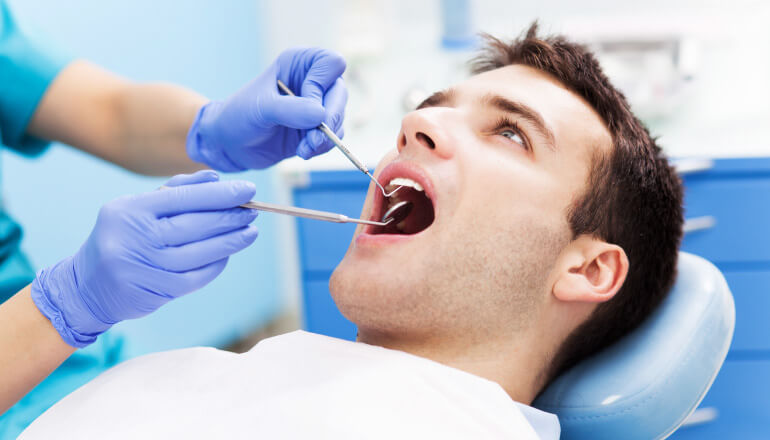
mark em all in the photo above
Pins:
pixel 513 366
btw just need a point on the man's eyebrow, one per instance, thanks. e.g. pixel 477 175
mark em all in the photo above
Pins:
pixel 524 111
pixel 442 98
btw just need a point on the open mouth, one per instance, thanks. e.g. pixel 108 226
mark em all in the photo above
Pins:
pixel 419 218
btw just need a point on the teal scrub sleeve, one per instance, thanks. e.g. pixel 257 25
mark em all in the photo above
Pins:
pixel 26 70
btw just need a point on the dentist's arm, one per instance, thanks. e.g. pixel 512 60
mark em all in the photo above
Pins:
pixel 31 348
pixel 144 251
pixel 162 129
pixel 140 127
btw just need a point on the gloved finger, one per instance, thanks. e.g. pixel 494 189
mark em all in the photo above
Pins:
pixel 292 111
pixel 325 148
pixel 201 176
pixel 209 196
pixel 315 141
pixel 200 253
pixel 305 151
pixel 325 68
pixel 195 226
pixel 334 104
pixel 174 285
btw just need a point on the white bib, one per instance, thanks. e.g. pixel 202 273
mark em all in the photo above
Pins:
pixel 294 386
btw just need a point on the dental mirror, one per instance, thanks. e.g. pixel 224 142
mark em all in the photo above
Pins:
pixel 397 212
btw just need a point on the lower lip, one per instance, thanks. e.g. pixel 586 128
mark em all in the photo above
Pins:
pixel 366 239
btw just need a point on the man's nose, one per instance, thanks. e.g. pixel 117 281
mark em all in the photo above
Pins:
pixel 423 129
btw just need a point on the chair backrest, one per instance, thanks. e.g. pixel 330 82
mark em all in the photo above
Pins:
pixel 644 386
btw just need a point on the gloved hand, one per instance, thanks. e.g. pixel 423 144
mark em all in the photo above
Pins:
pixel 144 251
pixel 258 126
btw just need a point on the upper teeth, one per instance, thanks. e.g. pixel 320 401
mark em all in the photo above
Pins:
pixel 403 181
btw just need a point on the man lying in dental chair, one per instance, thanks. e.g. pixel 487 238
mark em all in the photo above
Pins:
pixel 545 227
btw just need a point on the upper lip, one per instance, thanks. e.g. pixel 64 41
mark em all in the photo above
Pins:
pixel 401 169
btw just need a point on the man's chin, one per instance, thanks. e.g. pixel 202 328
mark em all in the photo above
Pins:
pixel 361 287
pixel 349 292
pixel 367 268
pixel 345 280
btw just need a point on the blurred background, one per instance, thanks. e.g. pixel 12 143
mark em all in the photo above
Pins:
pixel 697 72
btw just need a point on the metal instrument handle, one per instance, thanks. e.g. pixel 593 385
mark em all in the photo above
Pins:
pixel 297 212
pixel 303 212
pixel 330 134
pixel 307 213
pixel 338 143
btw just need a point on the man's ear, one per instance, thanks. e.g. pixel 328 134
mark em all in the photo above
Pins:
pixel 590 270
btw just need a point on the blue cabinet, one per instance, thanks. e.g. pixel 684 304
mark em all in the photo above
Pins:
pixel 729 201
pixel 322 245
pixel 741 397
pixel 751 290
pixel 321 314
pixel 738 205
pixel 734 196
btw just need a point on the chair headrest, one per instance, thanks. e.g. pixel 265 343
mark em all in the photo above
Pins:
pixel 645 385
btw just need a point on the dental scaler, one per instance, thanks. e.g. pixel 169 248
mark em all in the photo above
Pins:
pixel 338 143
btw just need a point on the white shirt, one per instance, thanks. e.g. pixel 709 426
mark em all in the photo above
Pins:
pixel 295 386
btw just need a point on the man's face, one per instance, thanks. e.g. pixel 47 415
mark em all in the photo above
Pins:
pixel 501 157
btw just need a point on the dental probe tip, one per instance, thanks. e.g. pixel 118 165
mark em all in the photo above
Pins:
pixel 389 194
pixel 384 193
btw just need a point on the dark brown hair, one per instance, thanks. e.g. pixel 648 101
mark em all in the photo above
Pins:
pixel 633 197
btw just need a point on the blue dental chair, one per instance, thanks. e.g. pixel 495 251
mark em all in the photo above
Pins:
pixel 647 384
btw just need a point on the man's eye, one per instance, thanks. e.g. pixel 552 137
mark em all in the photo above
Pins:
pixel 509 129
pixel 512 135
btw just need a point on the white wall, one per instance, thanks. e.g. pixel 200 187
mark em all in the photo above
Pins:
pixel 394 46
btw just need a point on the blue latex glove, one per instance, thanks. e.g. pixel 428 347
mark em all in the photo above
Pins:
pixel 144 251
pixel 258 126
